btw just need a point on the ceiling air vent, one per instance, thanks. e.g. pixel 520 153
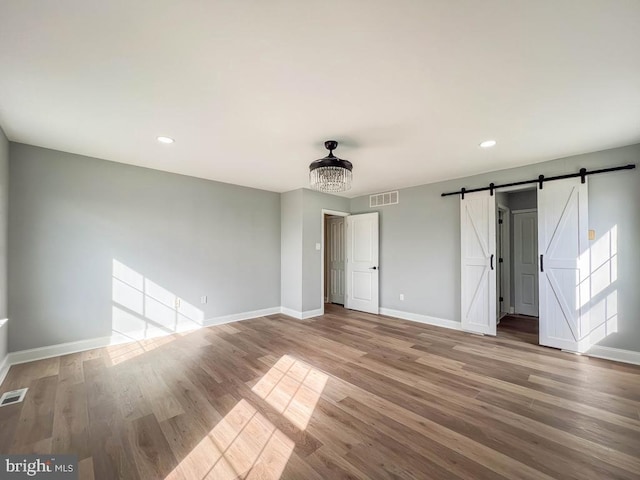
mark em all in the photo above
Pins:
pixel 15 396
pixel 382 199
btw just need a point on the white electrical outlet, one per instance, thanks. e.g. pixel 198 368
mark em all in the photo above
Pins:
pixel 177 303
pixel 402 296
pixel 203 299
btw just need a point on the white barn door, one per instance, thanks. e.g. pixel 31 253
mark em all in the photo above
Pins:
pixel 478 261
pixel 563 237
pixel 362 262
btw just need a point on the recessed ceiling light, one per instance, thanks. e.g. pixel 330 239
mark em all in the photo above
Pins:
pixel 165 140
pixel 488 143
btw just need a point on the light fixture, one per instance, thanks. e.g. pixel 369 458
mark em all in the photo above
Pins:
pixel 330 174
pixel 488 144
pixel 165 139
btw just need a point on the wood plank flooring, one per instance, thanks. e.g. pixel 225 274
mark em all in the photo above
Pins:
pixel 522 327
pixel 346 395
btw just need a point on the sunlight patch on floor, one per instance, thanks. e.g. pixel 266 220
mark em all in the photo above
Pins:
pixel 243 444
pixel 293 388
pixel 122 352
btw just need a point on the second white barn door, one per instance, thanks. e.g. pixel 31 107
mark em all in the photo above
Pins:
pixel 362 262
pixel 478 259
pixel 563 238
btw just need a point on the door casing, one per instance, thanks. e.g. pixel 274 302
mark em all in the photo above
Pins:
pixel 335 262
pixel 323 263
pixel 504 267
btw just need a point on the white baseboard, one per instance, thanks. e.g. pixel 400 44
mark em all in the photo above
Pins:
pixel 23 356
pixel 301 315
pixel 616 354
pixel 4 368
pixel 312 313
pixel 241 316
pixel 4 340
pixel 41 353
pixel 416 317
pixel 608 353
pixel 32 354
pixel 291 313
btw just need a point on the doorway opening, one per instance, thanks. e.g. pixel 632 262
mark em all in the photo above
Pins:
pixel 334 263
pixel 551 277
pixel 517 273
pixel 349 260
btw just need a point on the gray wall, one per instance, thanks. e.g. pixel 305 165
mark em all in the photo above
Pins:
pixel 4 214
pixel 502 198
pixel 313 203
pixel 419 251
pixel 72 216
pixel 523 200
pixel 420 238
pixel 301 212
pixel 246 249
pixel 291 245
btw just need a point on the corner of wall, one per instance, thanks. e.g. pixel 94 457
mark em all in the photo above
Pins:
pixel 4 349
pixel 4 217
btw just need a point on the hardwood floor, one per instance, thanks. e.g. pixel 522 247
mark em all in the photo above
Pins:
pixel 346 395
pixel 519 327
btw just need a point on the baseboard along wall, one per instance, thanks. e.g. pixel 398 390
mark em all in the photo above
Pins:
pixel 24 356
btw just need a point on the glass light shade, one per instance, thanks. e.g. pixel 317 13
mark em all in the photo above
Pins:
pixel 330 179
pixel 330 174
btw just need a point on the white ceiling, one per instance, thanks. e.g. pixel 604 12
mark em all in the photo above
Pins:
pixel 251 89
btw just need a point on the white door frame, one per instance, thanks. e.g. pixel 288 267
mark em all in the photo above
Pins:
pixel 335 234
pixel 505 274
pixel 514 189
pixel 324 212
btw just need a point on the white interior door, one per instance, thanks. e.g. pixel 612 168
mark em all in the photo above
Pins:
pixel 336 260
pixel 525 266
pixel 362 262
pixel 564 263
pixel 478 275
